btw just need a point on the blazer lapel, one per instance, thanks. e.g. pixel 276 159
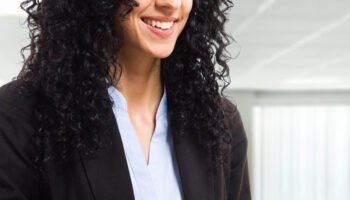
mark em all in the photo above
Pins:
pixel 196 172
pixel 107 173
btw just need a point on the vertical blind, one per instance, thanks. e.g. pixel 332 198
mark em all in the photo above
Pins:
pixel 301 152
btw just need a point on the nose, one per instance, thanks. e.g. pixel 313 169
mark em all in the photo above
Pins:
pixel 171 4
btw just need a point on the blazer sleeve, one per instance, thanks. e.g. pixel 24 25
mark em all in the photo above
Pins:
pixel 17 176
pixel 239 187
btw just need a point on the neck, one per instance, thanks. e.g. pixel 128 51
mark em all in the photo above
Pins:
pixel 140 82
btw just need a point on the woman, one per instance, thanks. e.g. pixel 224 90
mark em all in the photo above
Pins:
pixel 120 100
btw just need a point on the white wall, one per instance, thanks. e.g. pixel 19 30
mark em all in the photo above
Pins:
pixel 13 36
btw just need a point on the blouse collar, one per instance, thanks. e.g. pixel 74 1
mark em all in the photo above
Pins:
pixel 120 102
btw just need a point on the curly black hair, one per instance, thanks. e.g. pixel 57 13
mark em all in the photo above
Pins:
pixel 72 51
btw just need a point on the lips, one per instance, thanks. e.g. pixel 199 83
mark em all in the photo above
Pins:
pixel 162 28
pixel 160 22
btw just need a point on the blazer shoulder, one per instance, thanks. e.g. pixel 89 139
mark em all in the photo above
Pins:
pixel 18 175
pixel 10 88
pixel 11 98
pixel 228 106
pixel 233 121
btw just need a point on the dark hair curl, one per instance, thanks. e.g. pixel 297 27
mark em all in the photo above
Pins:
pixel 71 57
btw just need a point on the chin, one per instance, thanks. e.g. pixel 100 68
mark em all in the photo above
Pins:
pixel 161 53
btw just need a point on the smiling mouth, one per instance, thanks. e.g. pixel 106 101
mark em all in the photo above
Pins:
pixel 159 24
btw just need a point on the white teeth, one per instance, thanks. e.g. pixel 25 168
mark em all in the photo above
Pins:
pixel 158 24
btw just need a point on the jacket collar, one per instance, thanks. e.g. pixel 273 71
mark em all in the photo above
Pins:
pixel 195 169
pixel 108 175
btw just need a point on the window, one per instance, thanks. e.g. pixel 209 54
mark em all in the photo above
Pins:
pixel 301 151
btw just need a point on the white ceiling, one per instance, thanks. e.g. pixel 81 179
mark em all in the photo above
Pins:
pixel 284 44
pixel 290 44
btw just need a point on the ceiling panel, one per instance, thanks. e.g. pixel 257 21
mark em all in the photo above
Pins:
pixel 283 40
pixel 282 44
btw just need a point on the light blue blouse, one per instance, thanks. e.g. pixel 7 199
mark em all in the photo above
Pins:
pixel 159 180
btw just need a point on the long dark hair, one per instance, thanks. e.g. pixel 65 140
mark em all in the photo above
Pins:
pixel 71 57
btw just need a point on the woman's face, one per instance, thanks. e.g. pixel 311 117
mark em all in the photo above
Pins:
pixel 153 27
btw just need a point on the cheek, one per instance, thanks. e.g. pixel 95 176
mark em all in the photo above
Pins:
pixel 187 6
pixel 186 9
pixel 129 27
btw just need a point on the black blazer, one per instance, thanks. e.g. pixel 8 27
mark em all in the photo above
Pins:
pixel 106 177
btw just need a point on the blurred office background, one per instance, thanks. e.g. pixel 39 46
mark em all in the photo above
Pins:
pixel 291 83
